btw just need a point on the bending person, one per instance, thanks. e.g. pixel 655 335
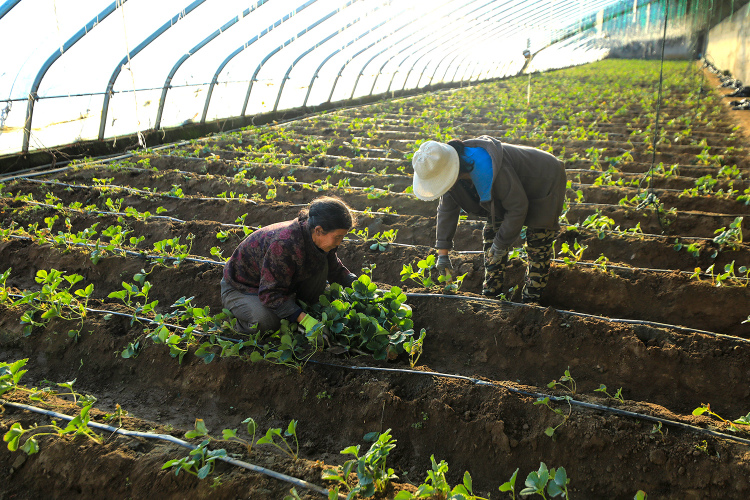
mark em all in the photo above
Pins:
pixel 512 186
pixel 278 265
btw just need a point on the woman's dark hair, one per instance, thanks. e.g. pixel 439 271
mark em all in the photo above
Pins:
pixel 328 212
pixel 464 164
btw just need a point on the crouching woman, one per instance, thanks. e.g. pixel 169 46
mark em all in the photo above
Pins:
pixel 279 265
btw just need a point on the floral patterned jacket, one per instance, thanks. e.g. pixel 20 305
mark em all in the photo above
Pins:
pixel 271 261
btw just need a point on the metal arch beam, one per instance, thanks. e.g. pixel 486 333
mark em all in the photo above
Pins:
pixel 408 47
pixel 462 44
pixel 343 66
pixel 477 23
pixel 33 96
pixel 503 30
pixel 7 7
pixel 509 14
pixel 459 49
pixel 191 52
pixel 287 42
pixel 341 70
pixel 361 71
pixel 145 43
pixel 449 34
pixel 315 75
pixel 305 53
pixel 244 46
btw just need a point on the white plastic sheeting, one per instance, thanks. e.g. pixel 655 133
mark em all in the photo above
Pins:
pixel 78 70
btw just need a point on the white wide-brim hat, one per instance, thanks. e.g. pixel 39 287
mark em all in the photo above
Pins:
pixel 435 170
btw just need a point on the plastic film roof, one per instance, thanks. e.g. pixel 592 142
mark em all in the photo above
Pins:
pixel 80 70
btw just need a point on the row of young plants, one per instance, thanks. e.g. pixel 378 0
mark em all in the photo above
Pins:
pixel 370 467
pixel 728 238
pixel 361 320
pixel 642 200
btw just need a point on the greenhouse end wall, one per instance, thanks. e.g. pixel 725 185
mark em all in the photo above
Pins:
pixel 729 44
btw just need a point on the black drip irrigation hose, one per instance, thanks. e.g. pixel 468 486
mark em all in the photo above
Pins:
pixel 138 191
pixel 141 319
pixel 467 221
pixel 404 245
pixel 208 198
pixel 573 402
pixel 475 381
pixel 562 311
pixel 503 303
pixel 131 252
pixel 166 437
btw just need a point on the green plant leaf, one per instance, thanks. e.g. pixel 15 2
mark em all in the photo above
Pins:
pixel 200 429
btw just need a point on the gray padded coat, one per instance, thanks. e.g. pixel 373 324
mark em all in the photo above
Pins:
pixel 528 189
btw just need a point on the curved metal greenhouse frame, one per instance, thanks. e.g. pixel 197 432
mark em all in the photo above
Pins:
pixel 198 61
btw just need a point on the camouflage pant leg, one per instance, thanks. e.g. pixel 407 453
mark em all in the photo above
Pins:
pixel 493 274
pixel 540 252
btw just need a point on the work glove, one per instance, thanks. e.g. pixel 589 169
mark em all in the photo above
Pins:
pixel 310 325
pixel 495 254
pixel 444 264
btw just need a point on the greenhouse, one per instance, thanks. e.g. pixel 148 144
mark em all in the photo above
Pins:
pixel 460 249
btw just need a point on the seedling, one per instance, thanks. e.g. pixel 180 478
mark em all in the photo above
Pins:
pixel 79 425
pixel 617 395
pixel 272 434
pixel 571 257
pixel 423 272
pixel 706 408
pixel 554 481
pixel 730 237
pixel 118 414
pixel 200 462
pixel 436 485
pixel 550 431
pixel 55 301
pixel 657 429
pixel 566 382
pixel 413 348
pixel 372 474
pixel 510 485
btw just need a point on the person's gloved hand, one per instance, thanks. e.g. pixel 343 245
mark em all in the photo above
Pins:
pixel 444 264
pixel 495 254
pixel 310 325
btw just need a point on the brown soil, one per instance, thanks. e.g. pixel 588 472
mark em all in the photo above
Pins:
pixel 641 324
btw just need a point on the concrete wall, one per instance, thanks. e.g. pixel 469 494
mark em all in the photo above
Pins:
pixel 729 44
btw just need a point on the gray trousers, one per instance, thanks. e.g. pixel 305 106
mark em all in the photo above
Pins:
pixel 252 315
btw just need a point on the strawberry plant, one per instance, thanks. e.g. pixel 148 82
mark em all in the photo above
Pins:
pixel 200 462
pixel 436 485
pixel 554 481
pixel 571 257
pixel 413 348
pixel 55 300
pixel 567 382
pixel 276 438
pixel 423 275
pixel 617 395
pixel 545 401
pixel 372 473
pixel 364 318
pixel 730 237
pixel 75 427
pixel 706 409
